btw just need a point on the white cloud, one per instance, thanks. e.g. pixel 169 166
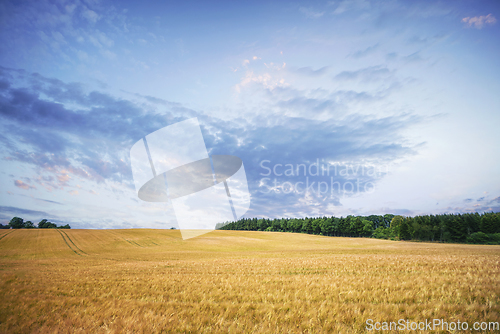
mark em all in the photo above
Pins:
pixel 310 13
pixel 348 5
pixel 479 21
pixel 274 66
pixel 265 79
pixel 82 55
pixel 94 41
pixel 70 8
pixel 90 15
pixel 58 37
pixel 108 54
pixel 105 40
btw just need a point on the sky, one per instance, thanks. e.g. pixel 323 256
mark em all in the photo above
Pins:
pixel 336 108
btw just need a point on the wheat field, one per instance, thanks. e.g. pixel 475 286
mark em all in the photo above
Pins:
pixel 151 281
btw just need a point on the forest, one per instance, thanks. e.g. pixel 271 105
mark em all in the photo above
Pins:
pixel 17 222
pixel 471 228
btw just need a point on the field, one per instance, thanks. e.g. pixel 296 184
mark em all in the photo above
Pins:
pixel 151 281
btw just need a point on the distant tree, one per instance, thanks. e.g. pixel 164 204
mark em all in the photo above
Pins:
pixel 388 219
pixel 296 225
pixel 46 224
pixel 415 227
pixel 283 225
pixel 458 228
pixel 472 222
pixel 443 227
pixel 377 220
pixel 307 226
pixel 42 222
pixel 28 224
pixel 367 227
pixel 262 224
pixel 276 225
pixel 316 226
pixel 343 226
pixel 65 226
pixel 381 232
pixel 327 226
pixel 484 238
pixel 356 227
pixel 396 223
pixel 489 223
pixel 16 222
pixel 404 230
pixel 2 226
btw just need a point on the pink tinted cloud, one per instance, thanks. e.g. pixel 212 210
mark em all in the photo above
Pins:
pixel 479 21
pixel 22 185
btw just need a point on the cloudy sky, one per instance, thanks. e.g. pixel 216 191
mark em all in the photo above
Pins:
pixel 398 100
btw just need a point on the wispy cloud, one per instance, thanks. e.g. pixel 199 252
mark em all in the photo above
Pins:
pixel 308 71
pixel 22 185
pixel 479 22
pixel 90 15
pixel 368 51
pixel 21 211
pixel 372 73
pixel 348 5
pixel 41 199
pixel 413 58
pixel 311 13
pixel 64 33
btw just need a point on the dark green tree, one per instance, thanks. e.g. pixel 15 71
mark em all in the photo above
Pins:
pixel 367 228
pixel 307 226
pixel 262 224
pixel 388 219
pixel 16 222
pixel 396 226
pixel 327 226
pixel 28 224
pixel 316 226
pixel 46 224
pixel 356 226
pixel 489 223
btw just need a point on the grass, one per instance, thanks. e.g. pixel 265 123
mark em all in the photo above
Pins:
pixel 151 281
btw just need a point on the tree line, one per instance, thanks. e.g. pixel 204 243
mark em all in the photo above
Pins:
pixel 17 222
pixel 472 228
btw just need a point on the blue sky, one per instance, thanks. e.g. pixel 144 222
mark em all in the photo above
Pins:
pixel 399 99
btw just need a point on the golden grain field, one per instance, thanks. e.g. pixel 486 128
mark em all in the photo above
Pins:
pixel 151 281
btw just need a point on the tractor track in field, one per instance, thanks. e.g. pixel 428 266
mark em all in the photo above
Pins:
pixel 133 243
pixel 6 234
pixel 64 236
